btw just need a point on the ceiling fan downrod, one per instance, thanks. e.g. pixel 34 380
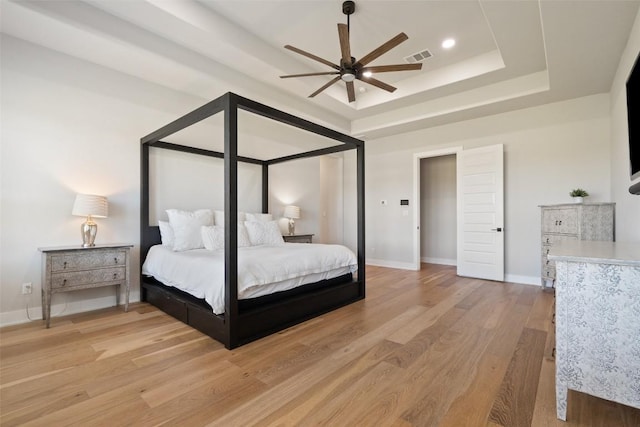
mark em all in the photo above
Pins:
pixel 348 7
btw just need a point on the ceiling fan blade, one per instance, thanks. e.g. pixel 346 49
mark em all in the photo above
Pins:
pixel 312 56
pixel 345 48
pixel 325 86
pixel 382 49
pixel 351 92
pixel 326 73
pixel 398 67
pixel 378 83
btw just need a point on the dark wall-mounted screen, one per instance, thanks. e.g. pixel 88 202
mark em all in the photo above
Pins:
pixel 633 119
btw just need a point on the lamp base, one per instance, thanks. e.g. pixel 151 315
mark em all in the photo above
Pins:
pixel 292 227
pixel 88 229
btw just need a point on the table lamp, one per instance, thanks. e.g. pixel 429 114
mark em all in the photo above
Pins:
pixel 90 206
pixel 292 212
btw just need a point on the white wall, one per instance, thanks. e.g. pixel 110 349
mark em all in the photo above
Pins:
pixel 627 205
pixel 548 151
pixel 185 181
pixel 67 127
pixel 438 225
pixel 331 200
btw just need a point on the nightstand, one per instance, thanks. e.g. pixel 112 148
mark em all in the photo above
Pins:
pixel 298 238
pixel 71 268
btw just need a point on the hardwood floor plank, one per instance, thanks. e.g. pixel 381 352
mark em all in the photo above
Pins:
pixel 473 404
pixel 313 403
pixel 404 335
pixel 515 402
pixel 425 348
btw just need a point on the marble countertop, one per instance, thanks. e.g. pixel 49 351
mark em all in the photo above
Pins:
pixel 621 253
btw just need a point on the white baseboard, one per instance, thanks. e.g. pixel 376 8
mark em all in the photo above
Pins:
pixel 524 280
pixel 391 264
pixel 35 313
pixel 512 278
pixel 441 261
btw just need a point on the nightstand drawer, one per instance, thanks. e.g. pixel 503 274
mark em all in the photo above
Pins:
pixel 83 261
pixel 87 278
pixel 298 238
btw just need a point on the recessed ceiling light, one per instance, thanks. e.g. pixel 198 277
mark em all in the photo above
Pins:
pixel 448 43
pixel 367 73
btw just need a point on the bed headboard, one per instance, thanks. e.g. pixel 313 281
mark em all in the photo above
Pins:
pixel 150 236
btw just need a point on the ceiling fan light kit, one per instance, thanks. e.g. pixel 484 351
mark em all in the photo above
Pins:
pixel 349 69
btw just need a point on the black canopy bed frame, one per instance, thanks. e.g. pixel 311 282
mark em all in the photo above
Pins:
pixel 244 321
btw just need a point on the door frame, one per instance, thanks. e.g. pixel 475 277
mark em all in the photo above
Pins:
pixel 416 196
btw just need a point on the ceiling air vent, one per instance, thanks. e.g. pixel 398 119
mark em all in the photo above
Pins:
pixel 418 57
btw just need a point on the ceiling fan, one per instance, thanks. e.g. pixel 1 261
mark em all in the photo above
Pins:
pixel 350 69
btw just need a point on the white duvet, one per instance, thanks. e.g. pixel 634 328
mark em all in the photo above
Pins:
pixel 262 270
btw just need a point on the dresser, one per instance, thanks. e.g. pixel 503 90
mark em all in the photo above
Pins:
pixel 597 321
pixel 72 268
pixel 573 222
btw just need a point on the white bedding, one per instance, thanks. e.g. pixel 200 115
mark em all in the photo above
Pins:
pixel 262 270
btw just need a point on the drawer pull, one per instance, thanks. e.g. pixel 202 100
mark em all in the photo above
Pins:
pixel 64 265
pixel 64 282
pixel 560 222
pixel 115 275
pixel 115 260
pixel 547 240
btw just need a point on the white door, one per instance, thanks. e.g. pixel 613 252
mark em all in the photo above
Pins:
pixel 481 213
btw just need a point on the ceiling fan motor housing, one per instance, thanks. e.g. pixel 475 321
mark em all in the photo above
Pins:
pixel 348 7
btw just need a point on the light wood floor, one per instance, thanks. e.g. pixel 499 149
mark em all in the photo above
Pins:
pixel 425 349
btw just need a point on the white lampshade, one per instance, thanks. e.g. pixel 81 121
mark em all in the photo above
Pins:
pixel 292 212
pixel 89 204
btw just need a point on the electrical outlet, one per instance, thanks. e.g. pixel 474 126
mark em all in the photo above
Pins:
pixel 27 288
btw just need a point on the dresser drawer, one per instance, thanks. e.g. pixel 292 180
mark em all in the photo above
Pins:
pixel 82 261
pixel 562 220
pixel 549 240
pixel 100 276
pixel 549 271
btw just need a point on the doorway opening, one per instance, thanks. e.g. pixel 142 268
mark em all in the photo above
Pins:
pixel 435 237
pixel 438 210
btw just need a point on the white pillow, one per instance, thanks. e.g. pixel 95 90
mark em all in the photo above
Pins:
pixel 186 228
pixel 264 233
pixel 219 217
pixel 213 237
pixel 258 217
pixel 166 233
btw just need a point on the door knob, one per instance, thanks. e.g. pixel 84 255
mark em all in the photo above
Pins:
pixel 499 229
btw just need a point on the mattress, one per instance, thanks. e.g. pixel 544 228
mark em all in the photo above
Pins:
pixel 262 270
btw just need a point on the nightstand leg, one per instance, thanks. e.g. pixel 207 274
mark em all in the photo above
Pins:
pixel 117 295
pixel 126 297
pixel 47 309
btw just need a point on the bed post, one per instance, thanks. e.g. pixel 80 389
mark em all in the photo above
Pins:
pixel 144 211
pixel 360 214
pixel 265 188
pixel 231 221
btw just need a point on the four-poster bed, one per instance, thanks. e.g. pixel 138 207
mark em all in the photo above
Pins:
pixel 244 321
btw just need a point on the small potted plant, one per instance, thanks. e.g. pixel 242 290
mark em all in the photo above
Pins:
pixel 578 195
